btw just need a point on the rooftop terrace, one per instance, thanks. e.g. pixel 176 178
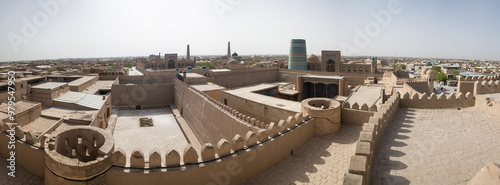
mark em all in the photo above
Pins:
pixel 249 94
pixel 49 85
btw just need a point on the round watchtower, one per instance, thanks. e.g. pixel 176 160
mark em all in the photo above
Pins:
pixel 77 156
pixel 326 114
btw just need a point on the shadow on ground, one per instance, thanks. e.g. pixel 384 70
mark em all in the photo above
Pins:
pixel 387 153
pixel 309 160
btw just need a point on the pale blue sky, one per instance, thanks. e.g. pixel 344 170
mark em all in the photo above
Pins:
pixel 107 28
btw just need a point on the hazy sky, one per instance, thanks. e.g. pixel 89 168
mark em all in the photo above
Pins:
pixel 106 28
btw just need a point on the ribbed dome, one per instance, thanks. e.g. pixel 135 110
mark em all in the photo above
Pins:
pixel 312 59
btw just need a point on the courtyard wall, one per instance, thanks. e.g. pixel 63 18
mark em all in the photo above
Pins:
pixel 226 163
pixel 142 94
pixel 209 122
pixel 354 79
pixel 232 79
pixel 255 109
pixel 27 156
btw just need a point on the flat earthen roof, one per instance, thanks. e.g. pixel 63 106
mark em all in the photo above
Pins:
pixel 248 93
pixel 49 85
pixel 81 80
pixel 207 86
pixel 366 94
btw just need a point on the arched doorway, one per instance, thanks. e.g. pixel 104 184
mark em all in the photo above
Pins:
pixel 108 112
pixel 330 66
pixel 171 64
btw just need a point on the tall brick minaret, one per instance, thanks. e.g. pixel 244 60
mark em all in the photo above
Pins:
pixel 188 55
pixel 228 49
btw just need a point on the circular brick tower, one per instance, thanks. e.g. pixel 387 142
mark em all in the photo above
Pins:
pixel 326 114
pixel 77 156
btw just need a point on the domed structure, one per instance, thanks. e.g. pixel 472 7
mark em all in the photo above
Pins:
pixel 234 54
pixel 429 74
pixel 312 58
pixel 424 71
pixel 233 61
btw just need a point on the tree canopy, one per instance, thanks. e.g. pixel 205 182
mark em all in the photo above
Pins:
pixel 455 73
pixel 206 64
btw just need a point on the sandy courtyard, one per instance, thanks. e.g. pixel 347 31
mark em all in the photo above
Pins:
pixel 163 136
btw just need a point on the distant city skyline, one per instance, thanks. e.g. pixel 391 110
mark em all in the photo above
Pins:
pixel 53 29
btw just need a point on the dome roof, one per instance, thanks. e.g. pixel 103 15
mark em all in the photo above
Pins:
pixel 424 71
pixel 233 61
pixel 312 58
pixel 430 74
pixel 234 54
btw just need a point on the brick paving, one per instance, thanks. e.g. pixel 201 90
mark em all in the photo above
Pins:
pixel 23 177
pixel 321 160
pixel 443 146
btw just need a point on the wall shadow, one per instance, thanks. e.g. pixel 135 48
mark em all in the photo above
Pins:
pixel 388 151
pixel 309 157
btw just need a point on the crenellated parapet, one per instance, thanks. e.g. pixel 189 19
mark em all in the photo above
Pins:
pixel 486 87
pixel 247 119
pixel 28 137
pixel 225 149
pixel 361 163
pixel 355 106
pixel 479 78
pixel 357 115
pixel 437 102
pixel 468 84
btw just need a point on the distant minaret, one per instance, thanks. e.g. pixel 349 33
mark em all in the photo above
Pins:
pixel 188 57
pixel 228 49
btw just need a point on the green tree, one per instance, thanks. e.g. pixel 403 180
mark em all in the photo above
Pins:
pixel 129 65
pixel 455 73
pixel 436 69
pixel 111 64
pixel 402 66
pixel 59 68
pixel 206 64
pixel 441 77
